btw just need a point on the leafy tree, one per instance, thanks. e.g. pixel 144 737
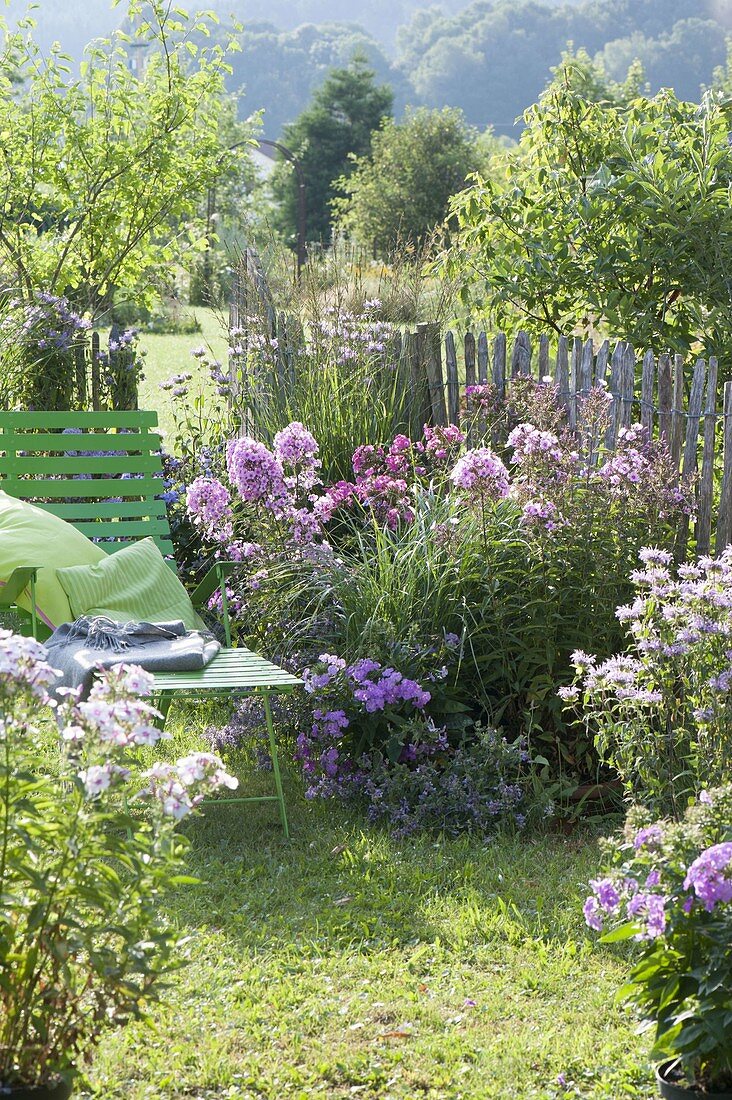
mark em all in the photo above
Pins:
pixel 494 59
pixel 101 176
pixel 338 125
pixel 682 57
pixel 283 69
pixel 401 192
pixel 615 214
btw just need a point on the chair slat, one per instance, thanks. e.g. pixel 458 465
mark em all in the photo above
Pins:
pixel 133 418
pixel 30 442
pixel 108 509
pixel 122 529
pixel 61 488
pixel 82 464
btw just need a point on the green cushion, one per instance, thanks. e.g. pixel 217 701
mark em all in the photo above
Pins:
pixel 32 536
pixel 132 583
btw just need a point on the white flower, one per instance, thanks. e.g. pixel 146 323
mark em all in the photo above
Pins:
pixel 176 807
pixel 96 778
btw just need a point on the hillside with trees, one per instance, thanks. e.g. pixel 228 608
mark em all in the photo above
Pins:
pixel 490 58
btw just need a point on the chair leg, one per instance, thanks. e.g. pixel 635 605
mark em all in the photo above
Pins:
pixel 162 704
pixel 275 764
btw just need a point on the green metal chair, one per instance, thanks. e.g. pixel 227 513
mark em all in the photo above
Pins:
pixel 42 465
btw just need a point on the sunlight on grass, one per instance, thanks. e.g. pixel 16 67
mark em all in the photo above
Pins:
pixel 171 354
pixel 344 963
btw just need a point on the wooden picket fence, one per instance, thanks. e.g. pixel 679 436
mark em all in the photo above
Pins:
pixel 672 400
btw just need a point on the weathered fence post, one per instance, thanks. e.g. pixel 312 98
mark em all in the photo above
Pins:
pixel 430 345
pixel 521 355
pixel 469 356
pixel 703 528
pixel 451 376
pixel 688 468
pixel 647 380
pixel 499 363
pixel 561 372
pixel 724 519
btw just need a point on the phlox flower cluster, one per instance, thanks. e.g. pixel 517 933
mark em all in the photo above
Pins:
pixel 24 668
pixel 440 446
pixel 710 876
pixel 297 452
pixel 641 470
pixel 668 884
pixel 343 695
pixel 179 788
pixel 256 474
pixel 209 505
pixel 481 475
pixel 381 484
pixel 660 880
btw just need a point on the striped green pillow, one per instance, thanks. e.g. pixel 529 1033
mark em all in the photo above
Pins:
pixel 132 584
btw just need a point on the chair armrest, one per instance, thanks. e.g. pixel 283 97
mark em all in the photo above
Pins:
pixel 214 579
pixel 21 578
pixel 17 583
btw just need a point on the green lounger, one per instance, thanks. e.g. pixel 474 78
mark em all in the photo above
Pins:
pixel 36 466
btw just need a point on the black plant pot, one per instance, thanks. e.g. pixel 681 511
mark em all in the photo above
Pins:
pixel 59 1090
pixel 672 1091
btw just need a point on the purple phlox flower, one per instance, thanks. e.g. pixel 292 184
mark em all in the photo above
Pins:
pixel 297 449
pixel 208 504
pixel 528 442
pixel 481 474
pixel 315 681
pixel 540 512
pixel 340 495
pixel 651 910
pixel 256 474
pixel 607 894
pixel 650 837
pixel 594 916
pixel 710 875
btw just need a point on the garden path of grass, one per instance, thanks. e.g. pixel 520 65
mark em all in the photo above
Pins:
pixel 344 963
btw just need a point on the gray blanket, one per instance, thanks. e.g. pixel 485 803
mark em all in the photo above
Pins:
pixel 78 649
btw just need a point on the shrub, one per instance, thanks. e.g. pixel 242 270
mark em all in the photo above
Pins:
pixel 523 560
pixel 483 784
pixel 40 342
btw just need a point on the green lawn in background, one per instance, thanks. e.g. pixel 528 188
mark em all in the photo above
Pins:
pixel 171 354
pixel 344 963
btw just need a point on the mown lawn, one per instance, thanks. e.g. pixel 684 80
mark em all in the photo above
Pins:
pixel 171 354
pixel 344 963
